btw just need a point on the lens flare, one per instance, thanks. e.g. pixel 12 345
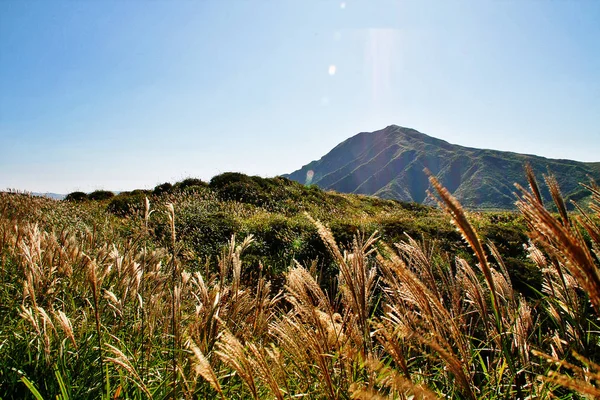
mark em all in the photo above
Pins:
pixel 381 60
pixel 309 176
pixel 332 70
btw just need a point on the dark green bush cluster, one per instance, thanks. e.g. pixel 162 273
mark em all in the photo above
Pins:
pixel 233 186
pixel 191 185
pixel 76 196
pixel 187 185
pixel 127 204
pixel 97 195
pixel 100 195
pixel 280 239
pixel 205 232
pixel 163 188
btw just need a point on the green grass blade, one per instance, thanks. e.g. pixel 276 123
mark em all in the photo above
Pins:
pixel 31 386
pixel 64 393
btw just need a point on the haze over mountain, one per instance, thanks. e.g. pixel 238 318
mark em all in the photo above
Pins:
pixel 55 196
pixel 389 163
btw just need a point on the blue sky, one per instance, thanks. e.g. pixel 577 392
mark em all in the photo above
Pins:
pixel 106 94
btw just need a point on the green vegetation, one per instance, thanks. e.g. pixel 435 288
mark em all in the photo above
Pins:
pixel 76 196
pixel 389 163
pixel 246 287
pixel 100 195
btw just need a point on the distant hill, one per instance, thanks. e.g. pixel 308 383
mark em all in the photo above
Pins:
pixel 55 196
pixel 389 163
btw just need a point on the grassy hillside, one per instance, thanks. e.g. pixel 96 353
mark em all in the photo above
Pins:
pixel 389 163
pixel 234 289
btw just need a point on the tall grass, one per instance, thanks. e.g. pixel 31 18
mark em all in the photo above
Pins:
pixel 101 311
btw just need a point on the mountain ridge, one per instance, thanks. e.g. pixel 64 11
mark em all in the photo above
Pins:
pixel 389 163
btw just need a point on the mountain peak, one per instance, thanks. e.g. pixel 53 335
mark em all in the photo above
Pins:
pixel 389 163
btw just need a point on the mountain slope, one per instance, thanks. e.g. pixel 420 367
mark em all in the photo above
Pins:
pixel 389 163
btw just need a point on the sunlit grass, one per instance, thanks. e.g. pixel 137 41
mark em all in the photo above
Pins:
pixel 195 295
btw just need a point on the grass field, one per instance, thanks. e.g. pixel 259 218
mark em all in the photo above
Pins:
pixel 263 288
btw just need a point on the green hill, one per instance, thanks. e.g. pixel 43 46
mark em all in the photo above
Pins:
pixel 389 164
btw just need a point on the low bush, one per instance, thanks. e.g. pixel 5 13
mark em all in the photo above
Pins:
pixel 127 204
pixel 163 188
pixel 76 196
pixel 100 195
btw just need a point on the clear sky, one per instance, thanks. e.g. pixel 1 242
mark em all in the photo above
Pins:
pixel 117 95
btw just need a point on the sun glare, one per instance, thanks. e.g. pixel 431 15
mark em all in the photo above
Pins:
pixel 309 176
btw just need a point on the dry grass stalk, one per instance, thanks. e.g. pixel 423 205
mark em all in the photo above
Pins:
pixel 582 382
pixel 565 243
pixel 419 260
pixel 457 367
pixel 27 314
pixel 93 280
pixel 358 392
pixel 304 291
pixel 203 368
pixel 417 305
pixel 393 346
pixel 522 327
pixel 232 353
pixel 307 345
pixel 261 364
pixel 459 218
pixel 356 283
pixel 122 360
pixel 398 385
pixel 533 183
pixel 503 303
pixel 552 184
pixel 473 291
pixel 67 327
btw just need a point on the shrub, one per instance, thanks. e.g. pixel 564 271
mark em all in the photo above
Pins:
pixel 190 183
pixel 194 189
pixel 163 188
pixel 76 196
pixel 233 186
pixel 125 205
pixel 206 233
pixel 101 195
pixel 140 192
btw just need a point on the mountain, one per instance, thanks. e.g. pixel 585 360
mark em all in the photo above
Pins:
pixel 55 196
pixel 389 164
